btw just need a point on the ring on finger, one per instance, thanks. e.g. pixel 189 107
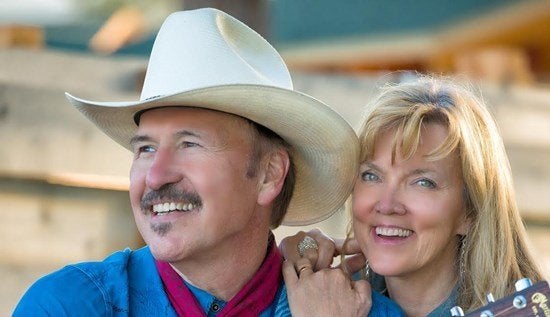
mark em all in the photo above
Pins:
pixel 307 243
pixel 305 267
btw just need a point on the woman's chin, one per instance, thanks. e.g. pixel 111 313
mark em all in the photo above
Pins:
pixel 386 269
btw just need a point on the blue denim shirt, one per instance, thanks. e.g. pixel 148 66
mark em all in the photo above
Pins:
pixel 127 283
pixel 212 305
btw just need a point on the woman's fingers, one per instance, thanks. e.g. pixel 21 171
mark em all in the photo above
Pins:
pixel 304 267
pixel 362 291
pixel 321 249
pixel 325 253
pixel 353 263
pixel 289 273
pixel 289 246
pixel 351 246
pixel 309 245
pixel 328 292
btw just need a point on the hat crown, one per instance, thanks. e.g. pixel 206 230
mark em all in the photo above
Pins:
pixel 207 47
pixel 205 58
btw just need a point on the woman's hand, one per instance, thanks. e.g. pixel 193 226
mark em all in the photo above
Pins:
pixel 327 292
pixel 324 256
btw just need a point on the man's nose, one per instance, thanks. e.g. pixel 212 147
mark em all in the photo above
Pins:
pixel 163 170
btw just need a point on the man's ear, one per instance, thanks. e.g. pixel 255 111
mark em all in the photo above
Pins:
pixel 273 176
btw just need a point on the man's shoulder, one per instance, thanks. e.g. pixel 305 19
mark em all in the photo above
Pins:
pixel 100 286
pixel 281 307
pixel 112 266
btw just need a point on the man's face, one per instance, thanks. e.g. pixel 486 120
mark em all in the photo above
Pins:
pixel 189 188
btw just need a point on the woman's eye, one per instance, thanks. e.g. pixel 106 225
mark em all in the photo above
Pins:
pixel 369 177
pixel 426 183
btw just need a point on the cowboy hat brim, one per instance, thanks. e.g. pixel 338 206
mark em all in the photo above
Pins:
pixel 324 146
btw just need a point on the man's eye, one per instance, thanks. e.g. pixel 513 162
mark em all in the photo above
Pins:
pixel 187 144
pixel 145 149
pixel 426 183
pixel 368 176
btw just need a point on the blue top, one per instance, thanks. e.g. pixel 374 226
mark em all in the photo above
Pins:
pixel 444 309
pixel 378 284
pixel 127 283
pixel 383 306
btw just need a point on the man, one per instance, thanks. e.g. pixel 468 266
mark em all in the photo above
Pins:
pixel 223 147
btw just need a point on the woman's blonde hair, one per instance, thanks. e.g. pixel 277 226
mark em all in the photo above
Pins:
pixel 494 252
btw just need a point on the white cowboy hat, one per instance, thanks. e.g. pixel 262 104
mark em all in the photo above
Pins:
pixel 206 58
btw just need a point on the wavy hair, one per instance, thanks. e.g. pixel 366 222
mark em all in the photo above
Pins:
pixel 494 253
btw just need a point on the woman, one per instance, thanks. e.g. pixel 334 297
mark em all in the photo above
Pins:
pixel 433 207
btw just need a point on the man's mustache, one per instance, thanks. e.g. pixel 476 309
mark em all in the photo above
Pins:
pixel 171 193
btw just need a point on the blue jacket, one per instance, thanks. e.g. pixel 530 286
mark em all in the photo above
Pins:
pixel 125 283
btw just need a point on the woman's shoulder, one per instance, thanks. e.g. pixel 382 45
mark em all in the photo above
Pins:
pixel 383 306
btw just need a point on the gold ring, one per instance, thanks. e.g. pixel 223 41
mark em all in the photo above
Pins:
pixel 304 268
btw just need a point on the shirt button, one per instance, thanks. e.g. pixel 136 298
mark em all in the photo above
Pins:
pixel 215 307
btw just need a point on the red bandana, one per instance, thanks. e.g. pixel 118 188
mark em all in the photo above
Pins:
pixel 251 300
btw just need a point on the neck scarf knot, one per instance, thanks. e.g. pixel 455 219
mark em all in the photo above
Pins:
pixel 251 300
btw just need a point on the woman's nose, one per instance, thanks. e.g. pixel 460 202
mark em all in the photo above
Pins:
pixel 390 202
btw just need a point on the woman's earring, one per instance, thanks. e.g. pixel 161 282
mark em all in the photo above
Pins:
pixel 366 270
pixel 462 259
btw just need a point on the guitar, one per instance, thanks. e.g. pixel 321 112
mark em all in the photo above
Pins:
pixel 528 301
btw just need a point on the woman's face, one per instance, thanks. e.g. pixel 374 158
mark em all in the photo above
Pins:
pixel 407 215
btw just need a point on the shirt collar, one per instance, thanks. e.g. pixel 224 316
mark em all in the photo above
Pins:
pixel 209 303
